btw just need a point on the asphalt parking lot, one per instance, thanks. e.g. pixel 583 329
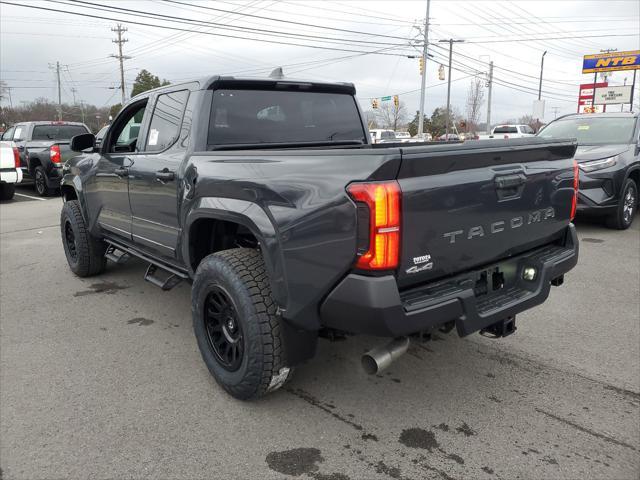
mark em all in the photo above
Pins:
pixel 102 378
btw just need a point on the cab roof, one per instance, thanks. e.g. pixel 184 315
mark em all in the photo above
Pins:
pixel 226 81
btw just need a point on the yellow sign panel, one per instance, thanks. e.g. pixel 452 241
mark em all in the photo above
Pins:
pixel 611 62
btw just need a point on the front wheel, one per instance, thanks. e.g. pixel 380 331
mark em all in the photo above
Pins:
pixel 627 207
pixel 236 324
pixel 84 252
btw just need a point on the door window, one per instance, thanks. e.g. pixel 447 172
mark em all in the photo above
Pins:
pixel 8 135
pixel 166 120
pixel 18 135
pixel 127 129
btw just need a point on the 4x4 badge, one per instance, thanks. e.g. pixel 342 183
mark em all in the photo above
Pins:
pixel 421 264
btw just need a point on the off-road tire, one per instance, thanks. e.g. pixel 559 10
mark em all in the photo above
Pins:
pixel 622 219
pixel 40 182
pixel 240 273
pixel 88 258
pixel 7 190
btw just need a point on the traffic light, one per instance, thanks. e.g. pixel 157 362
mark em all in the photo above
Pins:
pixel 374 103
pixel 396 101
pixel 441 72
pixel 421 65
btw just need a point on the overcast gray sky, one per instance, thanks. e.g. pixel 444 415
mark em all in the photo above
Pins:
pixel 513 34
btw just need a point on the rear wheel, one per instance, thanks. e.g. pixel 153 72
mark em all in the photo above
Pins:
pixel 627 207
pixel 236 324
pixel 85 253
pixel 40 182
pixel 7 190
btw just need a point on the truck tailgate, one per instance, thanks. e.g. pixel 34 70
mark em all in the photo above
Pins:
pixel 468 205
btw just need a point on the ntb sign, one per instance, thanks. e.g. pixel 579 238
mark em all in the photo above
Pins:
pixel 611 62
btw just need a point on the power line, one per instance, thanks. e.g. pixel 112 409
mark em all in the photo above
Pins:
pixel 166 27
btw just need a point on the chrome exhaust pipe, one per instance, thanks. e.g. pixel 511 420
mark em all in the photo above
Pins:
pixel 379 358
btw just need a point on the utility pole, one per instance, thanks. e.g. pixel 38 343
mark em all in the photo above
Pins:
pixel 73 92
pixel 119 30
pixel 423 80
pixel 450 41
pixel 57 68
pixel 490 85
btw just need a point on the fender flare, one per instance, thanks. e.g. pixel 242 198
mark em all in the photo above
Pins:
pixel 257 221
pixel 630 170
pixel 74 182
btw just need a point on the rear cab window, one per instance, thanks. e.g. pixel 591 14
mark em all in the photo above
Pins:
pixel 505 129
pixel 57 132
pixel 166 120
pixel 262 117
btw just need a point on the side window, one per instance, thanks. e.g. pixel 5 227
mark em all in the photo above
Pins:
pixel 18 135
pixel 166 120
pixel 126 129
pixel 8 135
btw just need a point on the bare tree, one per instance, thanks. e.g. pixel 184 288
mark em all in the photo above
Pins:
pixel 475 100
pixel 390 116
pixel 529 120
pixel 370 117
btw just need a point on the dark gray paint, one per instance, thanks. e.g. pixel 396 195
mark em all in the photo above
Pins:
pixel 294 200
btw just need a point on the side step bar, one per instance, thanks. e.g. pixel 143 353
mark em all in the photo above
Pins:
pixel 166 283
pixel 171 277
pixel 112 255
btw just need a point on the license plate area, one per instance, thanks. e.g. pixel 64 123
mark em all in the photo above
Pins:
pixel 495 279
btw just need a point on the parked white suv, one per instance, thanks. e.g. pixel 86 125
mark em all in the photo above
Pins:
pixel 509 131
pixel 379 135
pixel 10 171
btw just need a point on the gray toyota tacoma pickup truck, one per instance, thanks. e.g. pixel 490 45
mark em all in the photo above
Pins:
pixel 268 196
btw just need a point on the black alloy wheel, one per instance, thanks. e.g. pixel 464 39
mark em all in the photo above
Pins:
pixel 41 182
pixel 224 332
pixel 70 239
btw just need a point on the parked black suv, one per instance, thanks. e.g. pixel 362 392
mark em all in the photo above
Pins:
pixel 268 195
pixel 608 156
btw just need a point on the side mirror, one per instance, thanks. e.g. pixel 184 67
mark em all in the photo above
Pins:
pixel 83 142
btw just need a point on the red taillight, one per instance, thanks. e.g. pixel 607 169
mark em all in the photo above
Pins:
pixel 576 182
pixel 383 202
pixel 54 153
pixel 16 157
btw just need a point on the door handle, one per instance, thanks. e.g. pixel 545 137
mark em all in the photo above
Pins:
pixel 165 175
pixel 121 172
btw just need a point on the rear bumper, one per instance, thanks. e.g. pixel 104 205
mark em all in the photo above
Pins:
pixel 10 175
pixel 374 306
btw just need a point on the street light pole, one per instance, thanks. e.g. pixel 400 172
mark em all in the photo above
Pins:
pixel 541 69
pixel 540 87
pixel 423 80
pixel 450 41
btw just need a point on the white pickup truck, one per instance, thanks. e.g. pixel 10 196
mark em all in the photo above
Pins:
pixel 509 131
pixel 10 171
